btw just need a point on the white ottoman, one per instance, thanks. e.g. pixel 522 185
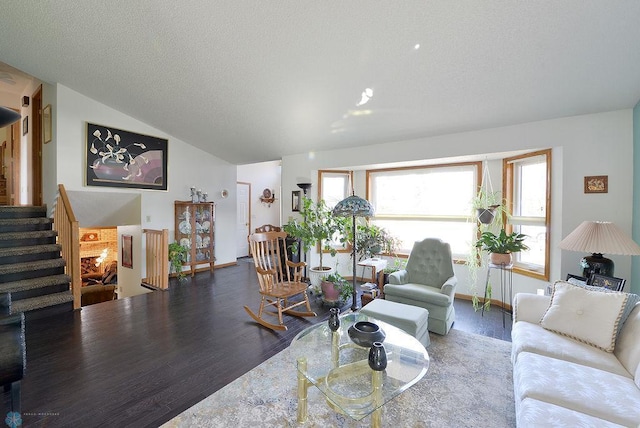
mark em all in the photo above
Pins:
pixel 412 319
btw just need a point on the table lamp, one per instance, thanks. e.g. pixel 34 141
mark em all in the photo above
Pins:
pixel 353 206
pixel 599 237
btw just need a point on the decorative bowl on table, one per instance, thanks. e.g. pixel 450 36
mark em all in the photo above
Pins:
pixel 364 333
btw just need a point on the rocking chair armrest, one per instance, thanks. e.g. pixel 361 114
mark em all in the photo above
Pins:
pixel 265 271
pixel 296 265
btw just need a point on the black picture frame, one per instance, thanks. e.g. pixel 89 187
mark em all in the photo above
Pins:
pixel 608 282
pixel 119 158
pixel 25 125
pixel 295 201
pixel 576 279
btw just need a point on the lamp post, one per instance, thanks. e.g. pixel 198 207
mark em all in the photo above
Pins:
pixel 305 187
pixel 353 206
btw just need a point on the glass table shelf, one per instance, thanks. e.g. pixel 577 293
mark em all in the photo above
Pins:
pixel 339 368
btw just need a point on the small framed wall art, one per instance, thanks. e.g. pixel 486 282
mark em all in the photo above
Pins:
pixel 25 125
pixel 46 124
pixel 127 251
pixel 295 201
pixel 596 184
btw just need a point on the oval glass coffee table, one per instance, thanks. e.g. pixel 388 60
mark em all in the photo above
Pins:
pixel 339 368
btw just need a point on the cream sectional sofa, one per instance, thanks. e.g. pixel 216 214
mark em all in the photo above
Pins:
pixel 564 382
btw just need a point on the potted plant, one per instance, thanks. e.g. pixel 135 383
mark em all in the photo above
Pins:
pixel 177 256
pixel 501 246
pixel 372 240
pixel 398 264
pixel 335 288
pixel 317 226
pixel 488 207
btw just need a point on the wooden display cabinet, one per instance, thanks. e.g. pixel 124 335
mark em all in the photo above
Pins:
pixel 194 230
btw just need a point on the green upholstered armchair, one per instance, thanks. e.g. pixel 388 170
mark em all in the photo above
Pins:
pixel 427 281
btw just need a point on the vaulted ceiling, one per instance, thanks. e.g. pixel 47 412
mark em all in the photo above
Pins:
pixel 250 81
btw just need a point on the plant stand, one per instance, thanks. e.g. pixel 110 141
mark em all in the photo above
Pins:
pixel 506 285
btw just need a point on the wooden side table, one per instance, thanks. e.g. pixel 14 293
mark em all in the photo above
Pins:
pixel 377 266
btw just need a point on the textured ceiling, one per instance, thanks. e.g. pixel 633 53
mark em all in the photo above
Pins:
pixel 251 81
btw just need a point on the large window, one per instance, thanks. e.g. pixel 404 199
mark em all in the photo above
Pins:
pixel 527 185
pixel 429 201
pixel 333 187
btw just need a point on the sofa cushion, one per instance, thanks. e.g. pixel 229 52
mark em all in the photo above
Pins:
pixel 418 292
pixel 539 414
pixel 576 387
pixel 528 337
pixel 632 299
pixel 588 316
pixel 628 345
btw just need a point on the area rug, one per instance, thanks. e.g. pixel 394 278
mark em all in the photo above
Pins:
pixel 469 383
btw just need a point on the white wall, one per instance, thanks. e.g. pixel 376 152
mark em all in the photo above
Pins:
pixel 187 166
pixel 264 175
pixel 597 144
pixel 129 278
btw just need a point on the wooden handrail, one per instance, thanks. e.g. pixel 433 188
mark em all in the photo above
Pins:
pixel 66 224
pixel 157 257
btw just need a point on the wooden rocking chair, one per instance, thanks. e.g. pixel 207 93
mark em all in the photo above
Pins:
pixel 279 280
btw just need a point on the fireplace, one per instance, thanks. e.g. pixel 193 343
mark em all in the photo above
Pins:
pixel 88 265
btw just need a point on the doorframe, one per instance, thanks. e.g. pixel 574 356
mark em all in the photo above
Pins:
pixel 248 231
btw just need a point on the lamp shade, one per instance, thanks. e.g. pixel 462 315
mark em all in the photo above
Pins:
pixel 600 237
pixel 8 116
pixel 353 206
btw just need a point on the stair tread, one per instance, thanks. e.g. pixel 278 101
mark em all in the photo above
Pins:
pixel 31 266
pixel 33 283
pixel 6 236
pixel 40 302
pixel 31 249
pixel 24 220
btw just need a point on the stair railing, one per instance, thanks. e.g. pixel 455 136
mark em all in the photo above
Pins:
pixel 157 257
pixel 66 224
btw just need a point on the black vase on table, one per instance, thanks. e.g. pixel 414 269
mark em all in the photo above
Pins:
pixel 334 319
pixel 377 357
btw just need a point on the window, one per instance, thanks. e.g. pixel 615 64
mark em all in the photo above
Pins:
pixel 527 182
pixel 333 187
pixel 429 201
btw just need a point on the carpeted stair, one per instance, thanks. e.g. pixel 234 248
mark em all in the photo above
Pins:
pixel 32 278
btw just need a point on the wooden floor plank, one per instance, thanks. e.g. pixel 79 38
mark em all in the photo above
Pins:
pixel 141 361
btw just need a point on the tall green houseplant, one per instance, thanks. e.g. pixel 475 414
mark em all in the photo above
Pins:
pixel 317 226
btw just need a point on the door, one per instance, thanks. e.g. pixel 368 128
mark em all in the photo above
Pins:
pixel 243 222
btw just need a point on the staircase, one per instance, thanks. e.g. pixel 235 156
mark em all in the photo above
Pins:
pixel 32 278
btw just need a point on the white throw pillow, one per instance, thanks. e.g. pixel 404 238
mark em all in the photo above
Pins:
pixel 588 316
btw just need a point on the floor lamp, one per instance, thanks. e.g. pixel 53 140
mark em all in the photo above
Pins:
pixel 353 206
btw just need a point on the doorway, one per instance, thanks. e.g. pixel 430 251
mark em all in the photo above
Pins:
pixel 243 221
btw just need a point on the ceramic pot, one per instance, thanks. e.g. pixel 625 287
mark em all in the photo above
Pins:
pixel 330 293
pixel 316 274
pixel 377 357
pixel 500 259
pixel 364 333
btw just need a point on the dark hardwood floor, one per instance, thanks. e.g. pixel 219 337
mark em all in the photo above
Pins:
pixel 141 361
